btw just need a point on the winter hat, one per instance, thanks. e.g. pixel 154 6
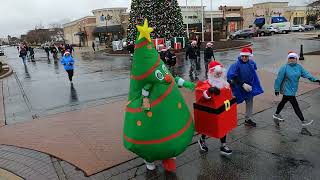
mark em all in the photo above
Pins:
pixel 215 66
pixel 251 51
pixel 245 52
pixel 293 54
pixel 209 44
pixel 194 43
pixel 67 52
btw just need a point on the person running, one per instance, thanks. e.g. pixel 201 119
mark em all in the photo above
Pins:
pixel 208 55
pixel 215 89
pixel 31 50
pixel 47 50
pixel 93 46
pixel 68 63
pixel 287 83
pixel 23 53
pixel 192 54
pixel 245 83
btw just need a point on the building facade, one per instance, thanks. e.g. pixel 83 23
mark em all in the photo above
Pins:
pixel 264 12
pixel 296 15
pixel 80 32
pixel 110 24
pixel 192 15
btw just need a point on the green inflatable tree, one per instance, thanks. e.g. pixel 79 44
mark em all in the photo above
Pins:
pixel 157 123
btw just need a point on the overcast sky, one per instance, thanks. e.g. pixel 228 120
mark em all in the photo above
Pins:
pixel 19 16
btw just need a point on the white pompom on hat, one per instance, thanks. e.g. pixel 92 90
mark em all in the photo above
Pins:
pixel 292 54
pixel 67 52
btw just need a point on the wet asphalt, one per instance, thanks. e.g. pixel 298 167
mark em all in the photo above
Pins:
pixel 42 88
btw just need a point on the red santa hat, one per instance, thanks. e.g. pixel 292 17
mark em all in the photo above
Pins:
pixel 246 51
pixel 251 51
pixel 215 66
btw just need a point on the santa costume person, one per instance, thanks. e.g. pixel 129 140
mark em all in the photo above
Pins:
pixel 211 95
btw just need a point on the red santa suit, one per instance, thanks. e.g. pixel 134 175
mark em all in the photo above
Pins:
pixel 215 115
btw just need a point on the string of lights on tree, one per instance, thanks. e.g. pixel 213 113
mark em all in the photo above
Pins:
pixel 164 17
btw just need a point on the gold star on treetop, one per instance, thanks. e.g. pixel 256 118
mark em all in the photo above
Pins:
pixel 145 31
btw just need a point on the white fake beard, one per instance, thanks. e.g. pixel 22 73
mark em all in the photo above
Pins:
pixel 219 82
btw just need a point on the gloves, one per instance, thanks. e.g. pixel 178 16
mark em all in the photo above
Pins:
pixel 247 87
pixel 318 81
pixel 276 93
pixel 214 90
pixel 189 85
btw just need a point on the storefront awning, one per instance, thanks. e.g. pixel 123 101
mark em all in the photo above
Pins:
pixel 234 18
pixel 109 29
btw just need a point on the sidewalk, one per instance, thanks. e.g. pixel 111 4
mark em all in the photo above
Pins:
pixel 265 152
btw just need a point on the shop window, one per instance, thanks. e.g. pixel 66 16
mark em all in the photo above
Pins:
pixel 298 20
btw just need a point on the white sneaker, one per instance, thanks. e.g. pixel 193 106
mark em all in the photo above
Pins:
pixel 278 117
pixel 150 166
pixel 307 122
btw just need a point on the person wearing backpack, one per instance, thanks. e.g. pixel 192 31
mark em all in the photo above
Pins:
pixel 287 83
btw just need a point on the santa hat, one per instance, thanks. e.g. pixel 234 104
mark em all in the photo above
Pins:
pixel 293 54
pixel 251 51
pixel 215 66
pixel 67 52
pixel 245 52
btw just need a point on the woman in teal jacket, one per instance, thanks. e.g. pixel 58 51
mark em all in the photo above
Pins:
pixel 287 83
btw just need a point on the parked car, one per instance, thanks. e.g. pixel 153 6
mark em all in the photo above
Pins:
pixel 264 31
pixel 1 52
pixel 299 28
pixel 309 27
pixel 273 30
pixel 245 33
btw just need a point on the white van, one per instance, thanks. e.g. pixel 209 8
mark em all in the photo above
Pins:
pixel 279 22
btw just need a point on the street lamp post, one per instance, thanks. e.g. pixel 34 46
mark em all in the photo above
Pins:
pixel 202 15
pixel 187 19
pixel 211 21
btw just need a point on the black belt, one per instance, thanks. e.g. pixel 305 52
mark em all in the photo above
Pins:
pixel 225 107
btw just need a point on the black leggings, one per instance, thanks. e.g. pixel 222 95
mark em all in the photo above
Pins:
pixel 222 140
pixel 70 74
pixel 294 103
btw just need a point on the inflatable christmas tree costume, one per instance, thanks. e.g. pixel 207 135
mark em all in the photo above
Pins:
pixel 165 128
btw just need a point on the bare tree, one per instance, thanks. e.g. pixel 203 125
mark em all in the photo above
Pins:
pixel 313 13
pixel 57 32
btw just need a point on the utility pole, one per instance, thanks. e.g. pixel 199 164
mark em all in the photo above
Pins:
pixel 202 20
pixel 211 21
pixel 187 19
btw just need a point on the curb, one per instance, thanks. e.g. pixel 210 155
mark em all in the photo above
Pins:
pixel 7 74
pixel 217 50
pixel 9 175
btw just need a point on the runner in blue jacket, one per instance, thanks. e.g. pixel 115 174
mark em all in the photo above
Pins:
pixel 245 82
pixel 68 62
pixel 287 83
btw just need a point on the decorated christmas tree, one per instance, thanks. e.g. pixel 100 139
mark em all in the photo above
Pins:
pixel 164 17
pixel 165 129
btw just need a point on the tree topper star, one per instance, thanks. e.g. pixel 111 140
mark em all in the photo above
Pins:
pixel 145 31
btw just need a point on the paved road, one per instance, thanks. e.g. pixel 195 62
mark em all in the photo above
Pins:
pixel 42 88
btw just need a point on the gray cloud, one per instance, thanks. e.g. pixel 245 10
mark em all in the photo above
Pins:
pixel 19 16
